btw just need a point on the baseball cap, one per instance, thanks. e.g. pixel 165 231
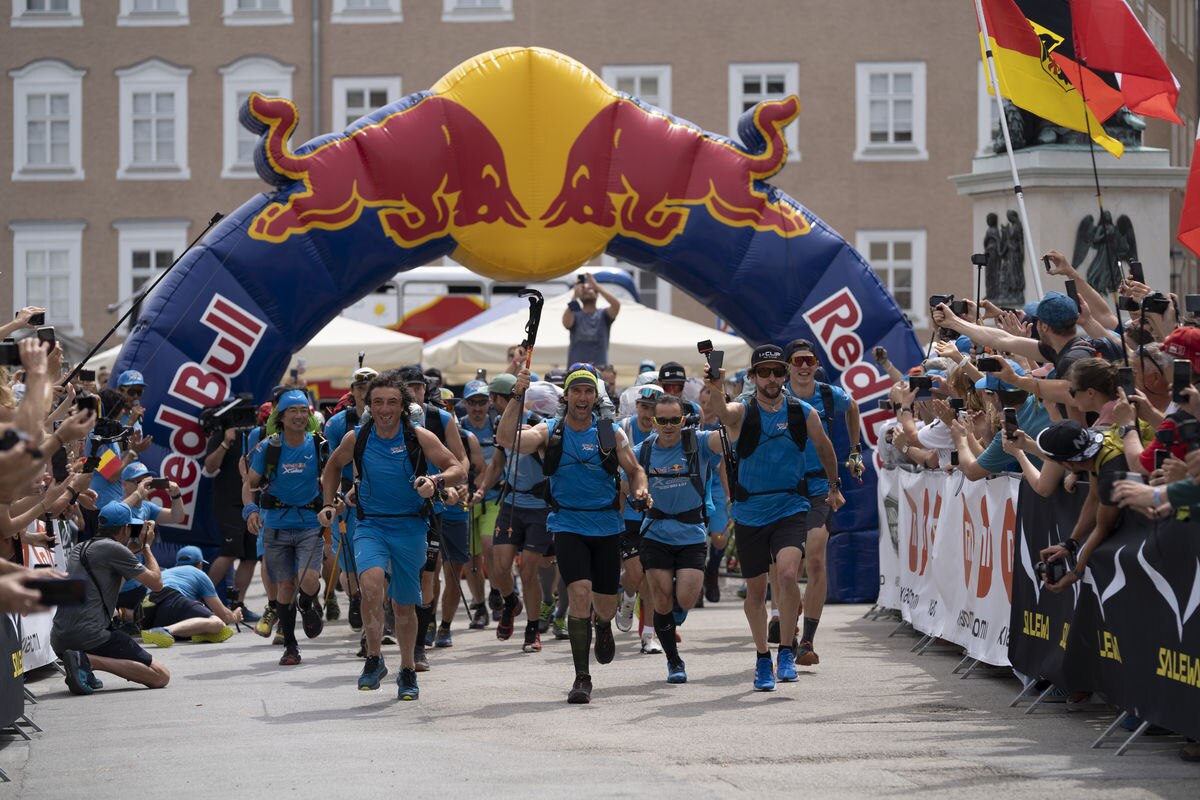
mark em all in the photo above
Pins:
pixel 581 376
pixel 134 471
pixel 130 377
pixel 737 377
pixel 1030 309
pixel 411 375
pixel 362 375
pixel 114 515
pixel 648 393
pixel 475 389
pixel 293 398
pixel 189 556
pixel 766 353
pixel 672 372
pixel 647 365
pixel 964 344
pixel 991 383
pixel 558 377
pixel 1069 441
pixel 502 384
pixel 1057 310
pixel 1184 343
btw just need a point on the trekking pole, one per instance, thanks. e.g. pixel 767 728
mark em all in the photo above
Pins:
pixel 536 301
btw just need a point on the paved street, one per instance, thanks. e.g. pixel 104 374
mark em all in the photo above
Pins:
pixel 871 720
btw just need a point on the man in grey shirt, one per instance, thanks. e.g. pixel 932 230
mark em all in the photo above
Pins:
pixel 83 635
pixel 587 324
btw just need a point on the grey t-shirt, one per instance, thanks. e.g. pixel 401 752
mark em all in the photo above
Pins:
pixel 589 337
pixel 85 626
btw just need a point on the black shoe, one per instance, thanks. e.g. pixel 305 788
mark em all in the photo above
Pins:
pixel 606 646
pixel 355 614
pixel 406 685
pixel 581 690
pixel 712 587
pixel 495 602
pixel 314 622
pixel 420 660
pixel 773 631
pixel 479 616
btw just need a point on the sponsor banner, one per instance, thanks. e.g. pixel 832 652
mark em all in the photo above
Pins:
pixel 34 629
pixel 889 539
pixel 920 508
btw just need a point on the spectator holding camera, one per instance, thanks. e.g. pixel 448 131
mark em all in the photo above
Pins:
pixel 83 635
pixel 589 325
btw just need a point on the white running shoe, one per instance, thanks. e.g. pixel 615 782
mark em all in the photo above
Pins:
pixel 650 643
pixel 624 618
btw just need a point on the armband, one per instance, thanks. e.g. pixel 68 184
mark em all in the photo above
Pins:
pixel 1156 496
pixel 249 509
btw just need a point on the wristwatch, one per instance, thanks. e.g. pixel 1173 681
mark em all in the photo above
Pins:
pixel 835 483
pixel 1125 430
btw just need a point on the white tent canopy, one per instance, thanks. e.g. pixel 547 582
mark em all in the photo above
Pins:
pixel 332 354
pixel 638 333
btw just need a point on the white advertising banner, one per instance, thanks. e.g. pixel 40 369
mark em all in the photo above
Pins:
pixel 889 539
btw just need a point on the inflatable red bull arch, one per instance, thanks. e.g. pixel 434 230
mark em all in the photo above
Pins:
pixel 520 164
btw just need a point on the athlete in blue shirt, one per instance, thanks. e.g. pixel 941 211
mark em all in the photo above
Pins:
pixel 771 498
pixel 637 428
pixel 585 519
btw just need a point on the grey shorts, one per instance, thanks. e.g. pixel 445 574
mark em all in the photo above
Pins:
pixel 286 551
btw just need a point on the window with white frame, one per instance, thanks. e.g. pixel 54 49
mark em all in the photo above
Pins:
pixel 750 84
pixel 651 83
pixel 477 10
pixel 257 12
pixel 366 11
pixel 1156 26
pixel 47 122
pixel 152 13
pixel 898 258
pixel 356 97
pixel 46 14
pixel 988 116
pixel 145 248
pixel 890 111
pixel 46 270
pixel 154 121
pixel 254 74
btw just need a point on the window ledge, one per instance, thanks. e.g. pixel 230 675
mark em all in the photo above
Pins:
pixel 47 20
pixel 478 15
pixel 152 19
pixel 157 173
pixel 367 16
pixel 48 174
pixel 238 171
pixel 891 153
pixel 258 18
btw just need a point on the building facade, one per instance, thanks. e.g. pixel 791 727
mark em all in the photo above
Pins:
pixel 124 136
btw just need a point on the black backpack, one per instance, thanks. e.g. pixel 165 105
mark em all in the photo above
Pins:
pixel 606 437
pixel 271 459
pixel 747 443
pixel 416 457
pixel 690 446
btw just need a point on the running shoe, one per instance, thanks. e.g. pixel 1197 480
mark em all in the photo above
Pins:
pixel 77 674
pixel 773 631
pixel 443 638
pixel 479 617
pixel 406 685
pixel 712 587
pixel 676 673
pixel 545 618
pixel 495 603
pixel 786 666
pixel 266 623
pixel 374 670
pixel 806 656
pixel 313 624
pixel 430 633
pixel 560 628
pixel 355 615
pixel 420 659
pixel 290 657
pixel 159 637
pixel 625 613
pixel 333 609
pixel 219 636
pixel 533 641
pixel 650 643
pixel 606 646
pixel 389 637
pixel 505 629
pixel 279 639
pixel 764 675
pixel 581 690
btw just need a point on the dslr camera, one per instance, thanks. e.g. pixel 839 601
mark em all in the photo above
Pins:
pixel 1051 572
pixel 239 412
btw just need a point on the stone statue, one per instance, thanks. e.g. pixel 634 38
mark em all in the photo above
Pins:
pixel 1027 130
pixel 1012 263
pixel 991 250
pixel 1112 243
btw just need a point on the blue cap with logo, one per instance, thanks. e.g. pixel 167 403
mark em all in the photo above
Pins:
pixel 130 377
pixel 189 556
pixel 135 471
pixel 114 515
pixel 293 398
pixel 475 389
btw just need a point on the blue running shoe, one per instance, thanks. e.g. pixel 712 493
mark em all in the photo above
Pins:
pixel 406 683
pixel 786 668
pixel 77 673
pixel 764 675
pixel 373 672
pixel 676 672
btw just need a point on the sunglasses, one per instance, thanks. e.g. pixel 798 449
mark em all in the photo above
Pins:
pixel 802 360
pixel 477 401
pixel 768 372
pixel 664 421
pixel 646 393
pixel 133 392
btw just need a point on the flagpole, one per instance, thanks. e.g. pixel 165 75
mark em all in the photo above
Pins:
pixel 1012 160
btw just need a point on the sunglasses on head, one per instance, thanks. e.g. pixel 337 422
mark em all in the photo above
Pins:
pixel 768 372
pixel 802 360
pixel 664 421
pixel 646 393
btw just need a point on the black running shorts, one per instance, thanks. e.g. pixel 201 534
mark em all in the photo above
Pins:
pixel 657 555
pixel 590 558
pixel 758 545
pixel 631 539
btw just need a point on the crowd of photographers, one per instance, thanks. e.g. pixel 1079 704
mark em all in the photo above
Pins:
pixel 1070 390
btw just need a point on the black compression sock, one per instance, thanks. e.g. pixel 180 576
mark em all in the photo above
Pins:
pixel 424 617
pixel 510 602
pixel 273 604
pixel 580 631
pixel 306 601
pixel 810 629
pixel 664 627
pixel 531 626
pixel 764 655
pixel 287 624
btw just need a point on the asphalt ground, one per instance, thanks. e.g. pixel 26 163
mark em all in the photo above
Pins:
pixel 871 720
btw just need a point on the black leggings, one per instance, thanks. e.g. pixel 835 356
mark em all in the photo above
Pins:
pixel 590 558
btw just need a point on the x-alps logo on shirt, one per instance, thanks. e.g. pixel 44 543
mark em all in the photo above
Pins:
pixel 293 469
pixel 587 447
pixel 781 426
pixel 397 449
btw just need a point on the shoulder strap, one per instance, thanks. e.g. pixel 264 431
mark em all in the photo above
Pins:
pixel 554 448
pixel 416 453
pixel 827 405
pixel 274 448
pixel 644 454
pixel 83 548
pixel 796 422
pixel 360 446
pixel 747 441
pixel 433 422
pixel 691 452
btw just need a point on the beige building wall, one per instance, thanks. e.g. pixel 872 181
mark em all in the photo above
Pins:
pixel 699 39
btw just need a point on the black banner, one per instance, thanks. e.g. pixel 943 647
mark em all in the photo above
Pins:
pixel 1130 631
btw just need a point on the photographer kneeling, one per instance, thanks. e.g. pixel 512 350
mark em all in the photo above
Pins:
pixel 83 635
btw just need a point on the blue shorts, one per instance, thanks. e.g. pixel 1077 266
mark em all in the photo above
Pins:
pixel 398 547
pixel 454 541
pixel 718 520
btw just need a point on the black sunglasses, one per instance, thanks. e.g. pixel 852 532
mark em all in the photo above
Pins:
pixel 767 372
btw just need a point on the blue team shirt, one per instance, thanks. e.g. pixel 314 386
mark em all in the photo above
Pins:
pixel 190 582
pixel 386 484
pixel 528 475
pixel 582 482
pixel 487 443
pixel 672 490
pixel 335 431
pixel 776 466
pixel 295 483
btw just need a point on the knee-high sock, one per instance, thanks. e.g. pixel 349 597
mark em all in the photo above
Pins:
pixel 287 623
pixel 664 626
pixel 424 617
pixel 580 630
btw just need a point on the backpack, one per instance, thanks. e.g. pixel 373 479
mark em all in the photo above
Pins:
pixel 271 457
pixel 541 489
pixel 607 438
pixel 416 458
pixel 747 443
pixel 689 441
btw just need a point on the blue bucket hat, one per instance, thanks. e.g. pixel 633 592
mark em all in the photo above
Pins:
pixel 1057 310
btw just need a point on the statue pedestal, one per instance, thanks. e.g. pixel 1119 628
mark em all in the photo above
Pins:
pixel 1060 191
